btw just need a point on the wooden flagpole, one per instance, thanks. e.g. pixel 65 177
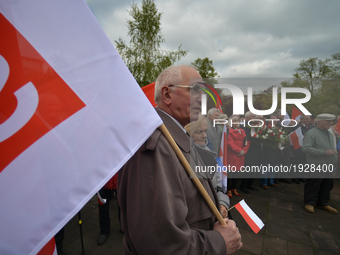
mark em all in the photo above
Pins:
pixel 192 175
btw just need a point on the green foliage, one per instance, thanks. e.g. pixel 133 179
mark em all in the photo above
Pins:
pixel 205 68
pixel 143 56
pixel 321 78
pixel 312 71
pixel 208 73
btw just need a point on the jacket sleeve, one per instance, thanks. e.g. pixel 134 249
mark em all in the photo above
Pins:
pixel 222 198
pixel 155 209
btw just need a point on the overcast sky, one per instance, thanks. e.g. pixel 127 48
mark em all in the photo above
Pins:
pixel 243 38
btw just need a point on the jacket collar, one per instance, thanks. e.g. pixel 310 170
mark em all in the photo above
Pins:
pixel 177 133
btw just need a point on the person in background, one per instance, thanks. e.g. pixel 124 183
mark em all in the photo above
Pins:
pixel 214 132
pixel 237 148
pixel 318 144
pixel 253 156
pixel 104 209
pixel 198 131
pixel 271 156
pixel 312 121
pixel 299 156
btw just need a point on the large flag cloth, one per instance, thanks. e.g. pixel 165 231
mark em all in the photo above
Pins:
pixel 254 222
pixel 65 125
pixel 222 159
pixel 296 138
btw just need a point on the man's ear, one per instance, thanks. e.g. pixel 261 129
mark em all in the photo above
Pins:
pixel 166 94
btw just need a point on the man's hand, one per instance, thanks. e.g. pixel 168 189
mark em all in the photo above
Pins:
pixel 224 211
pixel 230 234
pixel 330 152
pixel 242 152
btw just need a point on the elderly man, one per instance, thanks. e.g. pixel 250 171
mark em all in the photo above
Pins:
pixel 162 212
pixel 318 143
pixel 214 133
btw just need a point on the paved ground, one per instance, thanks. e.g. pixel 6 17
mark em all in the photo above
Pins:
pixel 288 228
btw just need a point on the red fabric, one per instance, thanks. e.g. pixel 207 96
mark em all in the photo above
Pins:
pixel 295 112
pixel 295 140
pixel 49 248
pixel 235 145
pixel 337 127
pixel 149 91
pixel 112 183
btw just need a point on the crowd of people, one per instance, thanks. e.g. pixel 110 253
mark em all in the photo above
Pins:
pixel 319 142
pixel 161 210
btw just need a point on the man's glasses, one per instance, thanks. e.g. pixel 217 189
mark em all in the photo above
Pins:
pixel 196 89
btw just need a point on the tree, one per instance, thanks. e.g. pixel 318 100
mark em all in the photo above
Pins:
pixel 205 68
pixel 208 73
pixel 313 71
pixel 319 77
pixel 143 56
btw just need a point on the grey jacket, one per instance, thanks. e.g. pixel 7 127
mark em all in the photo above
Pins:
pixel 316 142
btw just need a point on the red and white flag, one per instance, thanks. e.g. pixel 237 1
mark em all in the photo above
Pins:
pixel 337 127
pixel 296 138
pixel 222 159
pixel 65 125
pixel 296 113
pixel 254 222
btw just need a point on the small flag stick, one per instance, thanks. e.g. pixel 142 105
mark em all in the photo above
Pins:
pixel 231 208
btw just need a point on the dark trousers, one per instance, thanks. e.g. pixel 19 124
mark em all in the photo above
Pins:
pixel 246 183
pixel 104 212
pixel 232 183
pixel 317 191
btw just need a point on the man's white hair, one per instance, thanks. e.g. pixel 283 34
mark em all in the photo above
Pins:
pixel 248 113
pixel 212 110
pixel 171 75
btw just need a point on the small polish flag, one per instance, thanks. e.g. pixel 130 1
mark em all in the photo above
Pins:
pixel 101 201
pixel 296 138
pixel 254 222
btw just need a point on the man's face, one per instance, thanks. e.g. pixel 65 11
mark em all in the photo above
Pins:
pixel 200 135
pixel 184 107
pixel 305 120
pixel 214 115
pixel 260 117
pixel 250 117
pixel 324 124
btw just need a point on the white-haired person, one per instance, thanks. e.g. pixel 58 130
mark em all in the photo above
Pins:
pixel 214 132
pixel 198 132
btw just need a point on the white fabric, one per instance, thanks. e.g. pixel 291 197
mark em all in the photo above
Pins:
pixel 299 134
pixel 47 184
pixel 251 214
